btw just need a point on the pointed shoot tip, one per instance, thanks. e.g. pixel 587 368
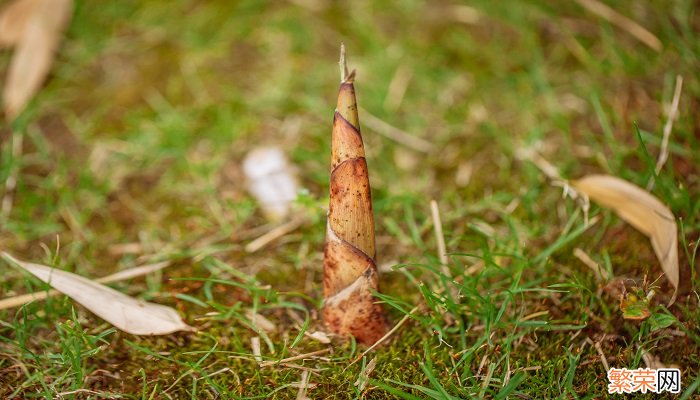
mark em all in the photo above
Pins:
pixel 344 74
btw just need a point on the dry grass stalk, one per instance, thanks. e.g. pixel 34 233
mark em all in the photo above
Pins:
pixel 273 234
pixel 396 134
pixel 672 115
pixel 439 237
pixel 303 385
pixel 349 267
pixel 313 354
pixel 600 273
pixel 622 22
pixel 255 346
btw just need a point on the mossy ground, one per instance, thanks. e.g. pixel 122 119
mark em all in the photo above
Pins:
pixel 137 137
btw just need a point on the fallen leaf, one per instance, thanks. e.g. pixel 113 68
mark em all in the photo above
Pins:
pixel 131 315
pixel 363 379
pixel 16 301
pixel 303 385
pixel 260 322
pixel 641 210
pixel 35 50
pixel 318 336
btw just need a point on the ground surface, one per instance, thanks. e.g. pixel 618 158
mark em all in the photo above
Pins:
pixel 131 154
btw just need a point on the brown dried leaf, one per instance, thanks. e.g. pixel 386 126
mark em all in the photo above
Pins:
pixel 641 210
pixel 36 47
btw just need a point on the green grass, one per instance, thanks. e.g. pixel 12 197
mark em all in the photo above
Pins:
pixel 138 135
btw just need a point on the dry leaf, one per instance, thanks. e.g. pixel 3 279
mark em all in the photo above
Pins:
pixel 363 379
pixel 318 336
pixel 36 46
pixel 260 322
pixel 23 299
pixel 131 315
pixel 641 210
pixel 303 385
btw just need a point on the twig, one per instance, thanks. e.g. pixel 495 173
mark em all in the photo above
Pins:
pixel 222 370
pixel 17 301
pixel 301 367
pixel 133 272
pixel 599 350
pixel 551 172
pixel 439 237
pixel 600 274
pixel 294 358
pixel 614 17
pixel 303 385
pixel 442 255
pixel 272 235
pixel 255 345
pixel 672 115
pixel 395 134
pixel 534 315
pixel 86 391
